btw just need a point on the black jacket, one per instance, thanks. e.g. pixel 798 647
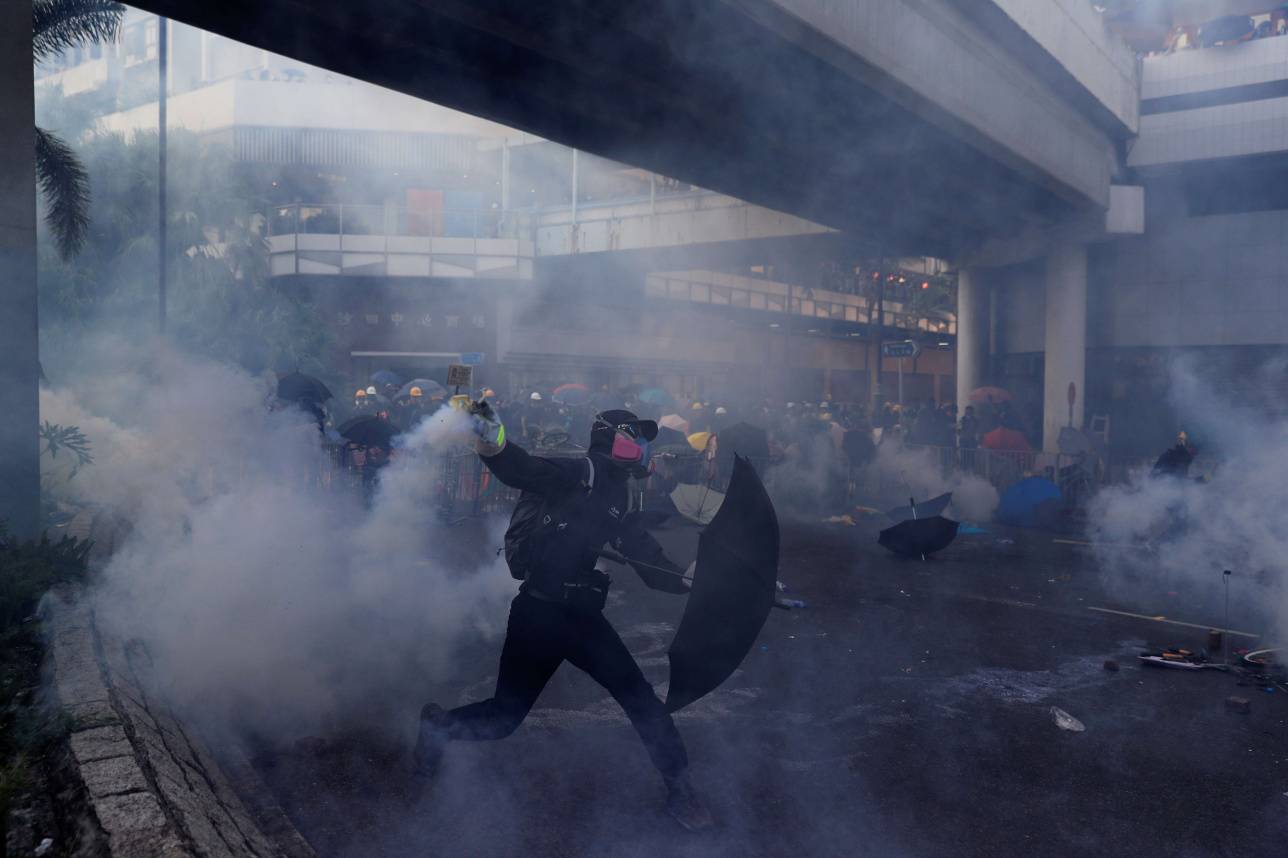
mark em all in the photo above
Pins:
pixel 587 499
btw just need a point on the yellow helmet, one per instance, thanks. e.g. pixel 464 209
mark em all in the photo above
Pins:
pixel 416 392
pixel 360 394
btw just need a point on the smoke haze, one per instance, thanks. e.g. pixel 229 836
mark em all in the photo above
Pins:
pixel 264 597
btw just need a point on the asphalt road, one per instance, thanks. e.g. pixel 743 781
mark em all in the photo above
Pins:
pixel 905 712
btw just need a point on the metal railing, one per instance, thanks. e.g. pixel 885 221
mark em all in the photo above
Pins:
pixel 822 306
pixel 389 221
pixel 1076 476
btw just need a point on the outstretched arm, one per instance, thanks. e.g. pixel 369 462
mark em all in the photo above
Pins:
pixel 648 559
pixel 518 469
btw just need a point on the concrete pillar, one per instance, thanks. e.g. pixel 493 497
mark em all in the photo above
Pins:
pixel 972 334
pixel 19 367
pixel 1066 341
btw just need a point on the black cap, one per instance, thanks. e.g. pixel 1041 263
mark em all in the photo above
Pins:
pixel 615 417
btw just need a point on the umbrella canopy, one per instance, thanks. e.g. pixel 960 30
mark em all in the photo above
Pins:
pixel 368 430
pixel 571 394
pixel 700 440
pixel 297 387
pixel 733 590
pixel 700 503
pixel 676 422
pixel 989 395
pixel 918 537
pixel 746 440
pixel 925 509
pixel 1227 28
pixel 386 378
pixel 1003 439
pixel 1031 502
pixel 429 389
pixel 656 396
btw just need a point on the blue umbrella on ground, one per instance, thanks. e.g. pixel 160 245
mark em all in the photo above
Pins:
pixel 1031 502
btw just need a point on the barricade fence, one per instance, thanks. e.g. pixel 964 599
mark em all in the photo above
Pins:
pixel 1077 476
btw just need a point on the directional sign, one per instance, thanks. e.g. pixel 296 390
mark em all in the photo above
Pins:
pixel 472 358
pixel 902 349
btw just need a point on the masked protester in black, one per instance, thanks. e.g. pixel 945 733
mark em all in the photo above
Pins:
pixel 557 614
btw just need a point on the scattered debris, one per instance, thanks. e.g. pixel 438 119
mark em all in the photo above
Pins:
pixel 45 847
pixel 1065 721
pixel 970 529
pixel 839 519
pixel 1111 665
pixel 790 603
pixel 1181 659
pixel 782 588
pixel 1239 704
pixel 1002 540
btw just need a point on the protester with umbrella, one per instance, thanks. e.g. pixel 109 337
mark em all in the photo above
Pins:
pixel 570 509
pixel 306 393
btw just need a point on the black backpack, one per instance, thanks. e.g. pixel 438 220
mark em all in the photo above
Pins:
pixel 527 519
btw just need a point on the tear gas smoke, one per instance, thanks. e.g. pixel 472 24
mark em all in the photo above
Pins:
pixel 917 474
pixel 264 597
pixel 1227 519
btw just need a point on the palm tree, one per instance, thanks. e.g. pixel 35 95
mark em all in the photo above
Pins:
pixel 56 26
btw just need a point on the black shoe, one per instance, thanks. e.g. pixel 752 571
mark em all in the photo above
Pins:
pixel 429 744
pixel 684 806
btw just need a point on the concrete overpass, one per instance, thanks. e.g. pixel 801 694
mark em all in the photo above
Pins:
pixel 924 126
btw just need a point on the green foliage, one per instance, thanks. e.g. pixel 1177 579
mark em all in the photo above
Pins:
pixel 221 300
pixel 65 187
pixel 56 26
pixel 69 438
pixel 28 569
pixel 61 24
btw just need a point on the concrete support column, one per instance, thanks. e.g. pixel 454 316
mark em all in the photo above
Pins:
pixel 1066 341
pixel 19 368
pixel 972 334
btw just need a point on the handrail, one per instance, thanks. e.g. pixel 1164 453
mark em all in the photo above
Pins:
pixel 359 220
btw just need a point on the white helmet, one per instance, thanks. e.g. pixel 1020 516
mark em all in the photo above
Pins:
pixel 371 391
pixel 535 397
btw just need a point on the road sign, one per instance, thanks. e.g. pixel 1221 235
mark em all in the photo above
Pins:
pixel 459 375
pixel 901 349
pixel 472 358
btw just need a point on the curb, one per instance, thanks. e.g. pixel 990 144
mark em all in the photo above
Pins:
pixel 153 786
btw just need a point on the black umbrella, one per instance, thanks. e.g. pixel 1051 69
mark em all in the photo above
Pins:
pixel 745 440
pixel 297 387
pixel 925 509
pixel 733 590
pixel 368 430
pixel 918 537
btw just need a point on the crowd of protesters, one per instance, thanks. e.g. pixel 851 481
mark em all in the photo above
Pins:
pixel 815 447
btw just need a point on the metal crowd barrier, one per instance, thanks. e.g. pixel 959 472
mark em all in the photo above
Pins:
pixel 1075 475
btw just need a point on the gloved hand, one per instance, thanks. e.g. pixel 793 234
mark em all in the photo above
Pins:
pixel 488 428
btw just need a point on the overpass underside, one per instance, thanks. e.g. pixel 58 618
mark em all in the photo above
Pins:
pixel 741 97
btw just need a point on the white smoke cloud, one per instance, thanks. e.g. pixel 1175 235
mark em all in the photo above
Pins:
pixel 1194 529
pixel 919 475
pixel 267 596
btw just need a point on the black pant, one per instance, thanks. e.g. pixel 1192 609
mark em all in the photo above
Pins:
pixel 539 636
